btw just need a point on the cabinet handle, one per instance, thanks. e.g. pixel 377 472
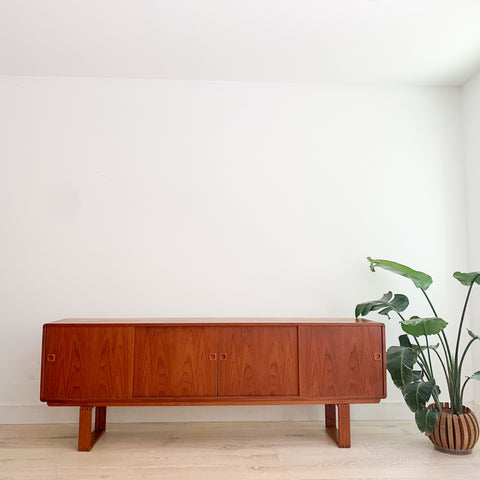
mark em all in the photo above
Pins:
pixel 223 356
pixel 51 357
pixel 377 356
pixel 212 356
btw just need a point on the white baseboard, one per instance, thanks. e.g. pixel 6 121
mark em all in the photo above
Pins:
pixel 41 413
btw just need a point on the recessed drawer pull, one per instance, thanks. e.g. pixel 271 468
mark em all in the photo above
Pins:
pixel 377 356
pixel 51 357
pixel 212 356
pixel 223 356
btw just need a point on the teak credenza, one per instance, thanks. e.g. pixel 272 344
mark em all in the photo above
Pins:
pixel 197 361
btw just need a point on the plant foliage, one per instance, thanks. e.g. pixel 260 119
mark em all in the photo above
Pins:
pixel 420 279
pixel 384 306
pixel 400 363
pixel 410 363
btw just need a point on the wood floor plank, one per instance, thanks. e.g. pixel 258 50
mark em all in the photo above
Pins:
pixel 233 450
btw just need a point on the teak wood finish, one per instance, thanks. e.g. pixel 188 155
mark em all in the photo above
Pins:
pixel 175 362
pixel 258 361
pixel 95 363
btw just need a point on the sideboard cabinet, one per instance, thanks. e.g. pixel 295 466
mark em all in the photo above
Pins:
pixel 95 363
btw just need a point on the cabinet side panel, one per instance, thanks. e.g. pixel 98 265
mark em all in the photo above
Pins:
pixel 88 363
pixel 258 360
pixel 42 373
pixel 342 361
pixel 175 361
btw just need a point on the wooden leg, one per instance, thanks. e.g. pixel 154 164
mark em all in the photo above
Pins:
pixel 87 438
pixel 341 435
pixel 100 419
pixel 85 429
pixel 330 417
pixel 344 440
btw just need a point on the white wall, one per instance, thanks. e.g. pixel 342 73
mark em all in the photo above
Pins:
pixel 471 122
pixel 162 198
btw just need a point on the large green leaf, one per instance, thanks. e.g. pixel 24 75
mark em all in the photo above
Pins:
pixel 420 279
pixel 417 327
pixel 426 419
pixel 400 362
pixel 467 278
pixel 475 376
pixel 384 306
pixel 416 394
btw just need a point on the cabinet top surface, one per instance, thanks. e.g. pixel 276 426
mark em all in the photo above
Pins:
pixel 208 321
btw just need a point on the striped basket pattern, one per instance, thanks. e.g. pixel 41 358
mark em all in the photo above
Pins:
pixel 455 433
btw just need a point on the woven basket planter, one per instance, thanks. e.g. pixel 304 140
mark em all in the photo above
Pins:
pixel 455 434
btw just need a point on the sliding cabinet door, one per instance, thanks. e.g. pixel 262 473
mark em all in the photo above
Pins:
pixel 342 361
pixel 258 360
pixel 87 363
pixel 175 361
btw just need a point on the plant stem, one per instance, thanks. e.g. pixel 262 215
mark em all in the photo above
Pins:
pixel 464 353
pixel 460 369
pixel 463 388
pixel 442 337
pixel 429 302
pixel 428 353
pixel 463 318
pixel 427 367
pixel 457 369
pixel 441 362
pixel 444 370
pixel 428 370
pixel 446 349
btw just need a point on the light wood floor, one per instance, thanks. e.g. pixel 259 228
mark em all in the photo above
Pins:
pixel 228 451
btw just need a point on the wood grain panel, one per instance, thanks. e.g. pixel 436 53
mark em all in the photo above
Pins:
pixel 258 360
pixel 87 362
pixel 175 361
pixel 342 361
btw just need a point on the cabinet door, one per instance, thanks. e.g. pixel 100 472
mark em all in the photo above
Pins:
pixel 258 360
pixel 175 361
pixel 87 363
pixel 342 361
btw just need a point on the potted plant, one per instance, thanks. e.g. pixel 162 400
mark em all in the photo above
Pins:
pixel 451 426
